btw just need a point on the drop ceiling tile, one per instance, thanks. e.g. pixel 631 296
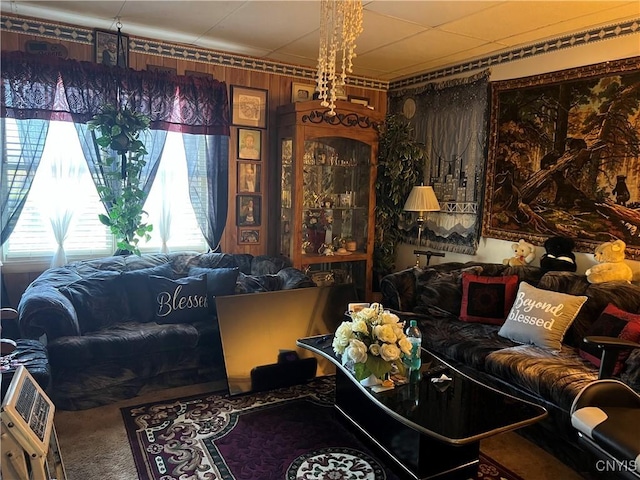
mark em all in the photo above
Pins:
pixel 266 24
pixel 509 19
pixel 576 25
pixel 428 13
pixel 379 30
pixel 448 60
pixel 420 48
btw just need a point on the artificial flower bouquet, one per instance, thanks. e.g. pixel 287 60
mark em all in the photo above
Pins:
pixel 373 343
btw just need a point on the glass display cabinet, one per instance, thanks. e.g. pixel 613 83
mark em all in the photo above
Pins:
pixel 327 196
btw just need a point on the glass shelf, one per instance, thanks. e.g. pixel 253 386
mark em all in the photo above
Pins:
pixel 326 191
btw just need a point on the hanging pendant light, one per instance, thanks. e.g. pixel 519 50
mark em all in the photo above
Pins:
pixel 340 26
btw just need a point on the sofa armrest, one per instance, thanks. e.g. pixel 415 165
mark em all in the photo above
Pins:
pixel 399 290
pixel 44 310
pixel 611 347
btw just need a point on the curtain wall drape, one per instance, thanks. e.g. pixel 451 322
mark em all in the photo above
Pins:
pixel 450 120
pixel 18 167
pixel 209 193
pixel 198 107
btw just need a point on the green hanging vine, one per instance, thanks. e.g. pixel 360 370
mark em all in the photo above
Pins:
pixel 119 130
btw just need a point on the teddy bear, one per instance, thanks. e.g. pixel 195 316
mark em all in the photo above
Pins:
pixel 523 254
pixel 611 266
pixel 558 255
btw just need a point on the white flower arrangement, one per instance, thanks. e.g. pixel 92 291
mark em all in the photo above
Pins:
pixel 373 341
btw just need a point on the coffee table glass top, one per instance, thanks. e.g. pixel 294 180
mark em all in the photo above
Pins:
pixel 458 409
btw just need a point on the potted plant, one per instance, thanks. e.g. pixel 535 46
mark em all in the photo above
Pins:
pixel 119 131
pixel 400 167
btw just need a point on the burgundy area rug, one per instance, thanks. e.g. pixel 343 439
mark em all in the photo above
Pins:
pixel 286 434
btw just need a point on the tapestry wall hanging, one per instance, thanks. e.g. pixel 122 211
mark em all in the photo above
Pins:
pixel 564 157
pixel 450 120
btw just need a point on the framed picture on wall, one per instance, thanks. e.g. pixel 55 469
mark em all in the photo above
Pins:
pixel 106 48
pixel 248 106
pixel 249 144
pixel 248 236
pixel 249 177
pixel 301 92
pixel 162 69
pixel 248 210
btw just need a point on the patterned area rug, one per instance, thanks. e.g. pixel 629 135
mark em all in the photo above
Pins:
pixel 291 433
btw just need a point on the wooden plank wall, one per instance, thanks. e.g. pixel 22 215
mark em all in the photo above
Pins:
pixel 279 93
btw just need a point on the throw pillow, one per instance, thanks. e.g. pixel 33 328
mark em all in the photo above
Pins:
pixel 99 301
pixel 540 317
pixel 612 322
pixel 179 301
pixel 487 299
pixel 220 281
pixel 136 284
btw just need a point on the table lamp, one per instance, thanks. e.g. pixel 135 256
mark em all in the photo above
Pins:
pixel 421 199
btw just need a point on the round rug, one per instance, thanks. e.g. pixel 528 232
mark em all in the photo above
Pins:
pixel 335 464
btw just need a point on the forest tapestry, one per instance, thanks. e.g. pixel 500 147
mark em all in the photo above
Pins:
pixel 564 157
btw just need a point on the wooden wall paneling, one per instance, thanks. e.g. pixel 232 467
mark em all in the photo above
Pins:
pixel 279 93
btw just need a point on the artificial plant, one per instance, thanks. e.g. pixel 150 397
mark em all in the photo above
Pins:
pixel 119 131
pixel 400 167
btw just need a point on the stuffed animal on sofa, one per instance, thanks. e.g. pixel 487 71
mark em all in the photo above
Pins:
pixel 558 256
pixel 611 266
pixel 523 254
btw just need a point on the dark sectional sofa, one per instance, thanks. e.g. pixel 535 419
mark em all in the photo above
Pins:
pixel 551 378
pixel 117 326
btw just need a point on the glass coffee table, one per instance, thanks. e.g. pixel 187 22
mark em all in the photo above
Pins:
pixel 431 428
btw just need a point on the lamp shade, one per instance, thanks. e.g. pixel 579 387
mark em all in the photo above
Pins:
pixel 422 199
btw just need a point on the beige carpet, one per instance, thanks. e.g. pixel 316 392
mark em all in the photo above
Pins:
pixel 94 444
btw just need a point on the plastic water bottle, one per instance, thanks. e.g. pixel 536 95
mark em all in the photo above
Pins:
pixel 414 335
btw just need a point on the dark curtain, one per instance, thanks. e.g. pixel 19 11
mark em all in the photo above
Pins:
pixel 451 121
pixel 207 167
pixel 196 105
pixel 191 105
pixel 16 177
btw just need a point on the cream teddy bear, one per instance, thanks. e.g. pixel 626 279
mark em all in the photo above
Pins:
pixel 611 266
pixel 523 254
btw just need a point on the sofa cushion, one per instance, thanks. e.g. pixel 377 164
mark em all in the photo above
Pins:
pixel 541 317
pixel 183 300
pixel 468 343
pixel 131 339
pixel 487 299
pixel 442 290
pixel 136 284
pixel 99 301
pixel 554 376
pixel 612 322
pixel 220 281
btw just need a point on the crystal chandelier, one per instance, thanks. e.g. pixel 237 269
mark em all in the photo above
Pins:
pixel 340 25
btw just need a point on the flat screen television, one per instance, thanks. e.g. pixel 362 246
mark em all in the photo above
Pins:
pixel 256 328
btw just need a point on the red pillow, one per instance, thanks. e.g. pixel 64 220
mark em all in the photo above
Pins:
pixel 487 299
pixel 612 322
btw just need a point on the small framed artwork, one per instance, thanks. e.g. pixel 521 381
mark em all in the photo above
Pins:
pixel 301 92
pixel 162 69
pixel 359 100
pixel 106 48
pixel 248 236
pixel 249 177
pixel 249 144
pixel 193 73
pixel 249 106
pixel 248 210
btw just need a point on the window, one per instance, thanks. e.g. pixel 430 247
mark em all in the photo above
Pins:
pixel 61 182
pixel 168 204
pixel 63 186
